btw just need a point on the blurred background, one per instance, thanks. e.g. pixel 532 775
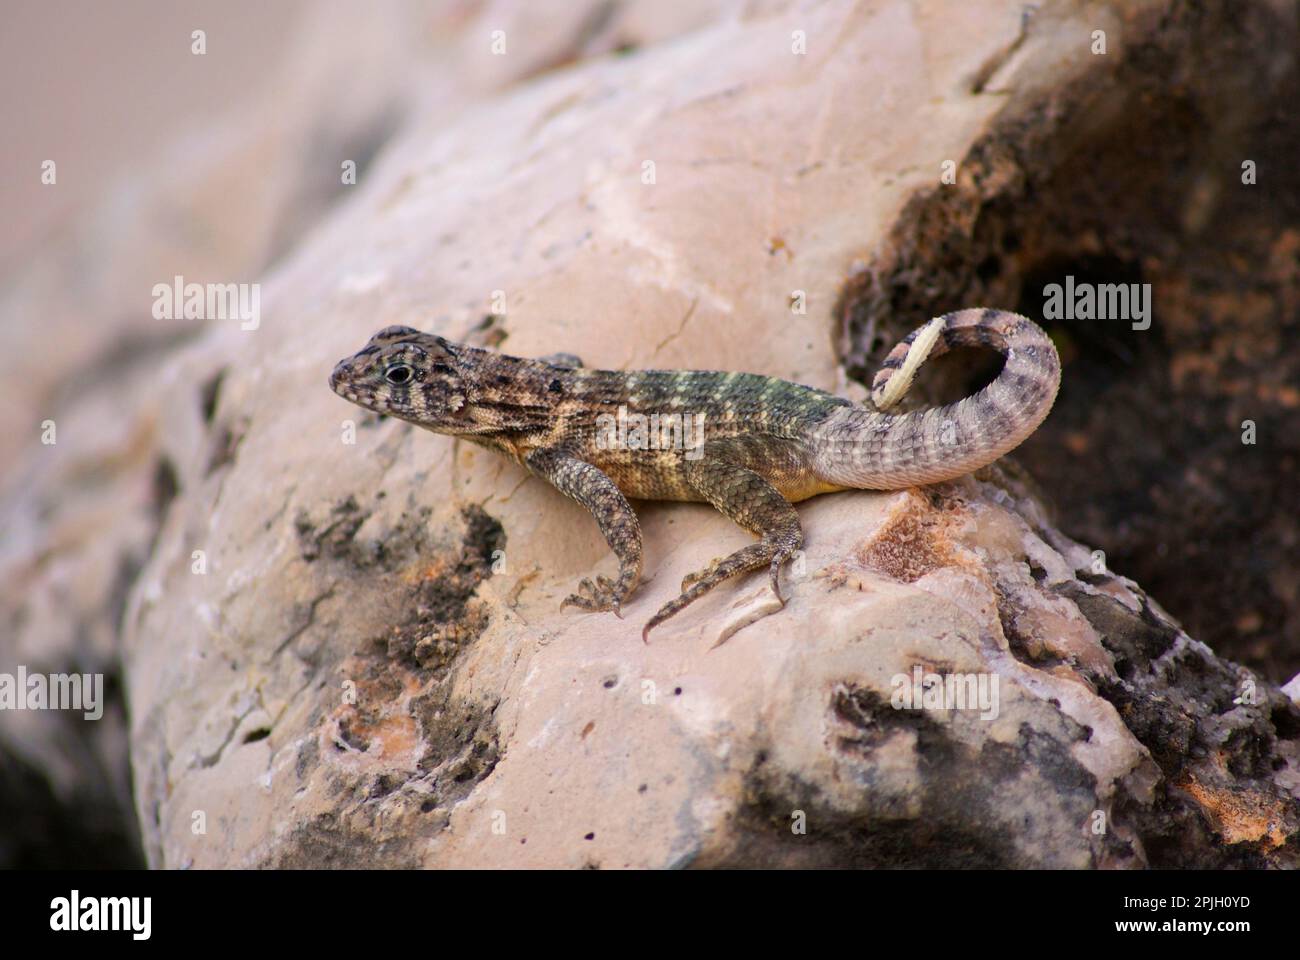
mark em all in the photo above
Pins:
pixel 102 86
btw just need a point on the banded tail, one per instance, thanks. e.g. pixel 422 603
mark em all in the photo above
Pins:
pixel 870 449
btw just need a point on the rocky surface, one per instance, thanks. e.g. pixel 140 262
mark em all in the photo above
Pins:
pixel 351 654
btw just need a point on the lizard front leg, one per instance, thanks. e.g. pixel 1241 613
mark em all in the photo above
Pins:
pixel 751 501
pixel 592 488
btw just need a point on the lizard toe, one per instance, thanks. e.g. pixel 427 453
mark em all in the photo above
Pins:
pixel 600 594
pixel 696 576
pixel 774 572
pixel 574 600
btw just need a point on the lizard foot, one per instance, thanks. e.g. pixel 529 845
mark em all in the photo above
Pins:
pixel 770 553
pixel 603 594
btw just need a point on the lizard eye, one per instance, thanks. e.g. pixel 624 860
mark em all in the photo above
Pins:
pixel 398 374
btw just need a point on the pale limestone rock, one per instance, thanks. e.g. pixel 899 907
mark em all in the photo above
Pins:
pixel 372 668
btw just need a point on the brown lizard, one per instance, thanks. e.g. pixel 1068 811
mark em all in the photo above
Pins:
pixel 747 444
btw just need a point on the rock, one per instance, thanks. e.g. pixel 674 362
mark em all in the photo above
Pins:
pixel 348 653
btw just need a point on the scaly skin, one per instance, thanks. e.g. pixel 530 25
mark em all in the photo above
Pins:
pixel 766 443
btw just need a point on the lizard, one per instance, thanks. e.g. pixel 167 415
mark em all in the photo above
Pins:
pixel 765 443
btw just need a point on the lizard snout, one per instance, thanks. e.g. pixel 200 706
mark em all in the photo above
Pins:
pixel 343 378
pixel 341 374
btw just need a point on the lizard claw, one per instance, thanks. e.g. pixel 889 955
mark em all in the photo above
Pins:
pixel 775 570
pixel 664 612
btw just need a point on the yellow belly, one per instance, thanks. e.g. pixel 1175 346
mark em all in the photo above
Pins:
pixel 794 491
pixel 646 485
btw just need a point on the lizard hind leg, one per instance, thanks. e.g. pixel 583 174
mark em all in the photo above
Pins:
pixel 751 501
pixel 770 553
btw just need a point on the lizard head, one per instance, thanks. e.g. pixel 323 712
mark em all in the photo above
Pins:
pixel 414 376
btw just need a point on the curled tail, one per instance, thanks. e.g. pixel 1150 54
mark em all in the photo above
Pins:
pixel 873 450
